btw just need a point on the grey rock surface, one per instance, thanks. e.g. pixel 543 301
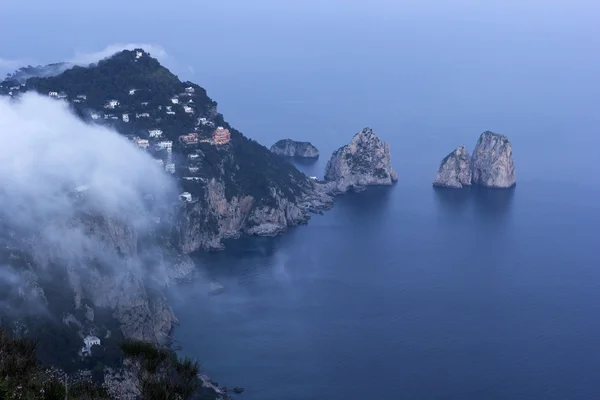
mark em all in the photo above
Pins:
pixel 363 162
pixel 292 148
pixel 455 170
pixel 492 161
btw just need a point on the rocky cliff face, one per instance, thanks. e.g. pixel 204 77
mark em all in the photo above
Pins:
pixel 492 161
pixel 364 161
pixel 215 217
pixel 455 170
pixel 292 148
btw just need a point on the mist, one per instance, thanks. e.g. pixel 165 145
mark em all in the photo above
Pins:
pixel 79 202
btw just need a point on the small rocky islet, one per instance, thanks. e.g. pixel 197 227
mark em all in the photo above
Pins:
pixel 491 165
pixel 293 148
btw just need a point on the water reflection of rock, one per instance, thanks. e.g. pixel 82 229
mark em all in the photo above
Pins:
pixel 492 202
pixel 452 200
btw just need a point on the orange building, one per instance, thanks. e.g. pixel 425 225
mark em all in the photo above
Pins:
pixel 221 136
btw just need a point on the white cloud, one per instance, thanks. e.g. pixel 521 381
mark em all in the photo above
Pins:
pixel 83 58
pixel 47 153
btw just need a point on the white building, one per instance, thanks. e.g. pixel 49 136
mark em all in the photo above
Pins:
pixel 77 101
pixel 142 115
pixel 193 169
pixel 189 89
pixel 112 104
pixel 170 168
pixel 139 54
pixel 53 94
pixel 82 96
pixel 193 156
pixel 185 196
pixel 154 133
pixel 125 117
pixel 114 117
pixel 88 342
pixel 190 101
pixel 188 109
pixel 142 143
pixel 132 92
pixel 175 100
pixel 171 112
pixel 165 144
pixel 62 95
pixel 95 116
pixel 144 103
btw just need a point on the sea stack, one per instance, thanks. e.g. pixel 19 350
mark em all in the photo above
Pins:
pixel 455 170
pixel 292 148
pixel 492 163
pixel 363 162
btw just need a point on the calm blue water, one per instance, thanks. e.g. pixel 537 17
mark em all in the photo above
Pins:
pixel 408 292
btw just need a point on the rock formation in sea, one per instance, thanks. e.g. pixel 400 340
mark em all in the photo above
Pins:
pixel 363 162
pixel 492 161
pixel 455 170
pixel 292 148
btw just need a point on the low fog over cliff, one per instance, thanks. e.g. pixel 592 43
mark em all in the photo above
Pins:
pixel 85 211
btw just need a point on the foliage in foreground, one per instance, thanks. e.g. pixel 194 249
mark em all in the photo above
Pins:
pixel 159 374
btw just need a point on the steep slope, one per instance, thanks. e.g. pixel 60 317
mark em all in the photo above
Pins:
pixel 492 161
pixel 455 170
pixel 363 162
pixel 235 185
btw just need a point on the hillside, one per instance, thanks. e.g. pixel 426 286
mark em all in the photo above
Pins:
pixel 232 184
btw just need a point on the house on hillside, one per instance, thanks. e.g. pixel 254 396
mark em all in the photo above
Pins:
pixel 190 138
pixel 175 100
pixel 188 109
pixel 144 103
pixel 88 342
pixel 82 96
pixel 154 133
pixel 189 89
pixel 112 104
pixel 221 136
pixel 95 116
pixel 62 95
pixel 76 100
pixel 193 169
pixel 142 143
pixel 125 117
pixel 132 92
pixel 139 54
pixel 53 94
pixel 165 144
pixel 142 115
pixel 193 156
pixel 170 168
pixel 186 196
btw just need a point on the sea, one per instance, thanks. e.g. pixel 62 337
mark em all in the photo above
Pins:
pixel 408 292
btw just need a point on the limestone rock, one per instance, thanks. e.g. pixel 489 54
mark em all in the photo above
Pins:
pixel 363 162
pixel 292 148
pixel 455 169
pixel 492 161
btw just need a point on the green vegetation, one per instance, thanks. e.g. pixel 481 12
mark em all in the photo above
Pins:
pixel 160 374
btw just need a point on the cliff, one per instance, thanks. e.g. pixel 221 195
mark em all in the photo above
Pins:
pixel 492 161
pixel 455 170
pixel 114 267
pixel 364 161
pixel 292 148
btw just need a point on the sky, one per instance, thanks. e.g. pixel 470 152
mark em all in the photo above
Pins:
pixel 444 70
